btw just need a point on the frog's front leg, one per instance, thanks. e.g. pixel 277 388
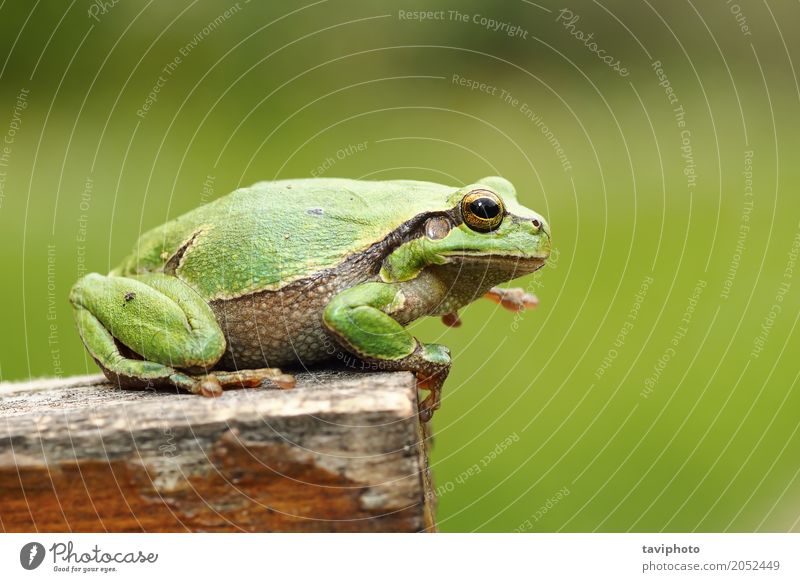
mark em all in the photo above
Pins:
pixel 361 320
pixel 162 321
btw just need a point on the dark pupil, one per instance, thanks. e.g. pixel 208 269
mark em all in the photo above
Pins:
pixel 484 208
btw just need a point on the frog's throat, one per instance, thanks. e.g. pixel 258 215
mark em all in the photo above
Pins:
pixel 519 265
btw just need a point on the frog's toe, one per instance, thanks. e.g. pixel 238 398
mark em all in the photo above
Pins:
pixel 451 320
pixel 209 386
pixel 425 410
pixel 254 378
pixel 285 381
pixel 432 402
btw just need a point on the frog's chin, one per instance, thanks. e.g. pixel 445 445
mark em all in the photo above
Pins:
pixel 516 265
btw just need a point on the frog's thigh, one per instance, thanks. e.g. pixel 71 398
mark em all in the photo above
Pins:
pixel 157 316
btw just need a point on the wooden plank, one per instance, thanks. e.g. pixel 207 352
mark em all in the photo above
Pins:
pixel 340 452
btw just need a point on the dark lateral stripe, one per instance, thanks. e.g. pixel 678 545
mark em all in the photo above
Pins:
pixel 372 257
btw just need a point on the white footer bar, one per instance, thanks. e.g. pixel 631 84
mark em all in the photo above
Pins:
pixel 352 557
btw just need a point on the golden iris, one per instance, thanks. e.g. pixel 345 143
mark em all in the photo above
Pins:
pixel 482 210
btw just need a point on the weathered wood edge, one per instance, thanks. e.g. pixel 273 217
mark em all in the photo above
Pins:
pixel 35 415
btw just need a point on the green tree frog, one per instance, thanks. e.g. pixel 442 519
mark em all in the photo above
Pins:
pixel 297 272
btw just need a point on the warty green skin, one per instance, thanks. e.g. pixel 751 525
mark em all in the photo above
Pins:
pixel 300 271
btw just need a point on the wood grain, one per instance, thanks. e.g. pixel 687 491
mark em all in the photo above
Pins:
pixel 340 452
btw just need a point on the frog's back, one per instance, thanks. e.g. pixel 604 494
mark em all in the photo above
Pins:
pixel 272 233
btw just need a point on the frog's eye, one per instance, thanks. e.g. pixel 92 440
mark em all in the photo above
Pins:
pixel 482 210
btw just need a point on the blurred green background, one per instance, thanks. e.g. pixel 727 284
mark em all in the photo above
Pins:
pixel 655 388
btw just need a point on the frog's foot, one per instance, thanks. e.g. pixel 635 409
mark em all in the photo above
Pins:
pixel 430 364
pixel 255 378
pixel 213 384
pixel 513 299
pixel 434 366
pixel 451 319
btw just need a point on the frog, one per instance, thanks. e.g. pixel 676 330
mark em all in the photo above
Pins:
pixel 294 273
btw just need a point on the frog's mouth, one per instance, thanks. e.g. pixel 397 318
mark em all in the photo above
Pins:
pixel 514 264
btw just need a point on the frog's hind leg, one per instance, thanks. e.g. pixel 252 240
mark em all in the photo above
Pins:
pixel 513 299
pixel 162 321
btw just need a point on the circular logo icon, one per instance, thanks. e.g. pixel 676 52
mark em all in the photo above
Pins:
pixel 31 555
